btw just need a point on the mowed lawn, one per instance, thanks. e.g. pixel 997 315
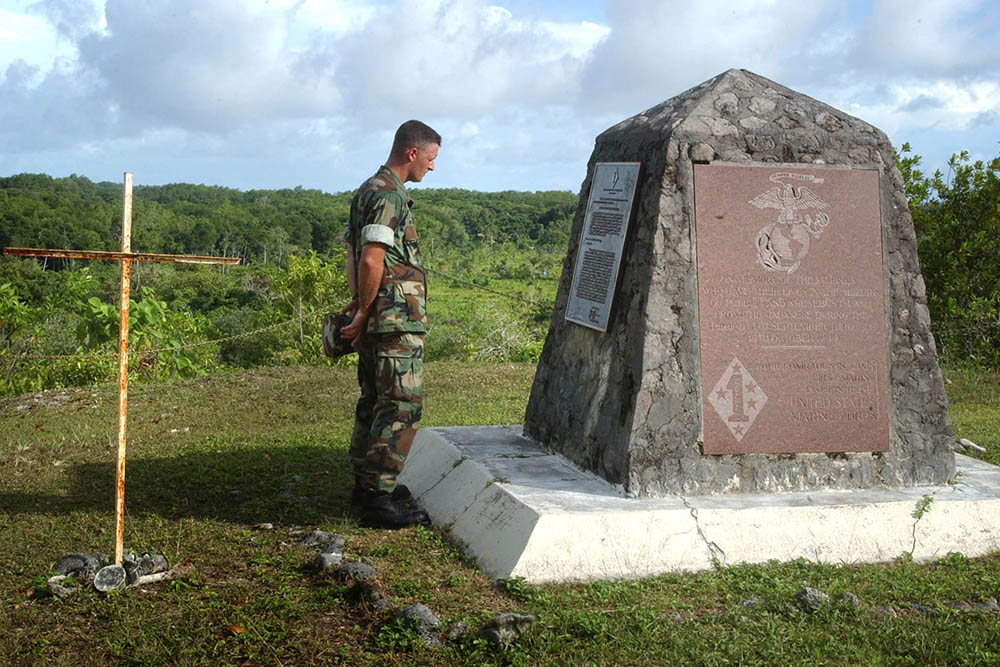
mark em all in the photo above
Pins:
pixel 211 459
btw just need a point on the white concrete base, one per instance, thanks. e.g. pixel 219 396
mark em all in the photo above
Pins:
pixel 523 512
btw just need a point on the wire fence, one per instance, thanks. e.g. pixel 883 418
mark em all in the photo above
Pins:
pixel 316 313
pixel 944 335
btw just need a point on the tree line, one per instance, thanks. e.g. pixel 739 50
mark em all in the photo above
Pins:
pixel 291 244
pixel 260 226
pixel 59 319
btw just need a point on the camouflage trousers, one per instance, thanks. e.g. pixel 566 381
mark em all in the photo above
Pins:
pixel 385 420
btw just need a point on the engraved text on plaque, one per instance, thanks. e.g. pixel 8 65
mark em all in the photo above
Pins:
pixel 601 244
pixel 791 309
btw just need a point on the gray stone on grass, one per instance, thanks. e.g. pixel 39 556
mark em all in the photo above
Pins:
pixel 55 586
pixel 925 610
pixel 455 631
pixel 328 561
pixel 750 603
pixel 988 606
pixel 110 578
pixel 848 598
pixel 142 564
pixel 355 572
pixel 328 542
pixel 80 565
pixel 336 545
pixel 504 630
pixel 421 619
pixel 810 599
pixel 886 610
pixel 368 593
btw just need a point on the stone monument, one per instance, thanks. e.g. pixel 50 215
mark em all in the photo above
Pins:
pixel 741 312
pixel 766 328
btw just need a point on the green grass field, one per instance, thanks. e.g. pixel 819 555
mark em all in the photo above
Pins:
pixel 211 458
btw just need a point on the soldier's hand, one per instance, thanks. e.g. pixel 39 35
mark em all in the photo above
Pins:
pixel 356 327
pixel 351 307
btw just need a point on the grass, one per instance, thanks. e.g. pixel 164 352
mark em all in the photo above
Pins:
pixel 211 458
pixel 974 406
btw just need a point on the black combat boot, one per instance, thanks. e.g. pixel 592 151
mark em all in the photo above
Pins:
pixel 379 511
pixel 400 494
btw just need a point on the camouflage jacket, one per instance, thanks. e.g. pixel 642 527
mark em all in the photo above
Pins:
pixel 380 213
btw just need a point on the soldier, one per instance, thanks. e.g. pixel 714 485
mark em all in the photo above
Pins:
pixel 388 324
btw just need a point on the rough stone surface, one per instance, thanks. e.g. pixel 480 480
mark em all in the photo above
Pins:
pixel 80 565
pixel 627 405
pixel 989 605
pixel 455 631
pixel 924 610
pixel 109 578
pixel 420 618
pixel 811 599
pixel 329 542
pixel 355 572
pixel 141 564
pixel 55 586
pixel 886 610
pixel 328 561
pixel 503 630
pixel 849 599
pixel 367 592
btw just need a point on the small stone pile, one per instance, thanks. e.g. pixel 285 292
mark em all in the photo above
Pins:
pixel 811 600
pixel 502 631
pixel 76 571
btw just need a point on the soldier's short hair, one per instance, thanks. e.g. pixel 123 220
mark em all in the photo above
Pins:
pixel 413 133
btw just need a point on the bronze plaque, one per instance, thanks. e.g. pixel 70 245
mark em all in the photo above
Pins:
pixel 791 309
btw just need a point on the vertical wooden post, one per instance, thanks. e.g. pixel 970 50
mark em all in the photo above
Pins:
pixel 123 367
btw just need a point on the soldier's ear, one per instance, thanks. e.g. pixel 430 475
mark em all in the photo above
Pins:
pixel 411 153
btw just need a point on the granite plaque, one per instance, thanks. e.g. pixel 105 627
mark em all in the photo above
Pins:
pixel 603 238
pixel 791 309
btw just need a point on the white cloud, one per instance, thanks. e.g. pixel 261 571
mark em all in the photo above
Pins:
pixel 459 59
pixel 71 18
pixel 204 65
pixel 280 92
pixel 658 49
pixel 945 105
pixel 930 37
pixel 30 39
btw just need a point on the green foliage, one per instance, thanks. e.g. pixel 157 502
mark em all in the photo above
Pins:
pixel 957 220
pixel 309 284
pixel 269 309
pixel 261 226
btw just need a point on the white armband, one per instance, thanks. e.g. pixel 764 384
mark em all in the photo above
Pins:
pixel 378 234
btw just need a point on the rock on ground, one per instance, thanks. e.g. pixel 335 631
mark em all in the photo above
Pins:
pixel 503 630
pixel 811 599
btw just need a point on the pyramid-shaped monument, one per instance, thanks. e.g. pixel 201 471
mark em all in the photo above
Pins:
pixel 741 308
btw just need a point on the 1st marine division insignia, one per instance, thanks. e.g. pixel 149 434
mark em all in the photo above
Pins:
pixel 782 245
pixel 737 399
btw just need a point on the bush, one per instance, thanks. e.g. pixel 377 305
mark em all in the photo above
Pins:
pixel 957 221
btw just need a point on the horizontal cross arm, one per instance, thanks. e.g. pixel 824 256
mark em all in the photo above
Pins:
pixel 120 256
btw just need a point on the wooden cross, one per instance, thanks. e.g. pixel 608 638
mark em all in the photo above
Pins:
pixel 126 256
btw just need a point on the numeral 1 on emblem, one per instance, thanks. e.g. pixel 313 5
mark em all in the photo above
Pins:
pixel 735 385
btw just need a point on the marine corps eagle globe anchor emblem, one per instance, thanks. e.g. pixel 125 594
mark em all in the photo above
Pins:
pixel 782 245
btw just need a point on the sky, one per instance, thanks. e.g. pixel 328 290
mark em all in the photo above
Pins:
pixel 258 94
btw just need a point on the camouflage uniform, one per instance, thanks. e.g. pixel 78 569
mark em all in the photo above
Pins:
pixel 390 354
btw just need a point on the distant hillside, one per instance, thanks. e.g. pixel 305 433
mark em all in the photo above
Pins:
pixel 260 226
